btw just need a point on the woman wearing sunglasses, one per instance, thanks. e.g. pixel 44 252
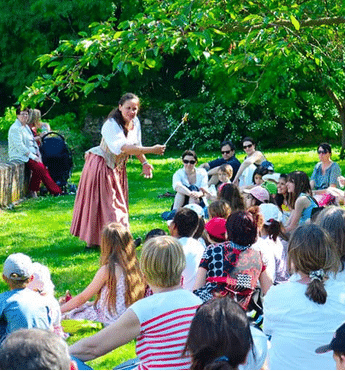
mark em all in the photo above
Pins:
pixel 326 172
pixel 188 181
pixel 253 159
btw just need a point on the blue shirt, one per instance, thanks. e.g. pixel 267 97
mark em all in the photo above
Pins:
pixel 22 308
pixel 323 181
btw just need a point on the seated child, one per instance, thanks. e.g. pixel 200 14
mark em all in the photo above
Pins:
pixel 160 322
pixel 43 284
pixel 20 307
pixel 117 284
pixel 224 173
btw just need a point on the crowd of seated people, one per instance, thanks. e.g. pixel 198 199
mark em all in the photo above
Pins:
pixel 250 278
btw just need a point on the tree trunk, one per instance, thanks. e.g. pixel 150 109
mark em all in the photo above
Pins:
pixel 342 121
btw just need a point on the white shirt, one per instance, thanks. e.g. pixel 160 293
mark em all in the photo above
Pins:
pixel 193 251
pixel 298 325
pixel 180 178
pixel 21 143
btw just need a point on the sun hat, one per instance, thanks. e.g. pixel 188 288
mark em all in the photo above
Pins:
pixel 269 212
pixel 337 344
pixel 258 192
pixel 42 281
pixel 273 176
pixel 18 267
pixel 197 208
pixel 216 228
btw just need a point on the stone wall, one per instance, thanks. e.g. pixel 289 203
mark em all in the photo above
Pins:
pixel 14 179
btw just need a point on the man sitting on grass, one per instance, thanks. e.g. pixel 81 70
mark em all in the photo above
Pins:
pixel 159 322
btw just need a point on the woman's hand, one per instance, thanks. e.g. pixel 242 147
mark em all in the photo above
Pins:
pixel 158 149
pixel 147 170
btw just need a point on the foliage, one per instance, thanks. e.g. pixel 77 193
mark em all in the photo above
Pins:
pixel 279 62
pixel 36 27
pixel 6 121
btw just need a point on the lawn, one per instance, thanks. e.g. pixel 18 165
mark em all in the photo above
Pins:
pixel 40 227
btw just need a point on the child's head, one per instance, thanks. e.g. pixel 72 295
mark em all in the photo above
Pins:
pixel 219 209
pixel 41 282
pixel 312 252
pixel 231 193
pixel 219 336
pixel 155 233
pixel 332 219
pixel 162 261
pixel 116 241
pixel 259 172
pixel 216 229
pixel 18 270
pixel 185 223
pixel 272 220
pixel 338 346
pixel 225 173
pixel 117 248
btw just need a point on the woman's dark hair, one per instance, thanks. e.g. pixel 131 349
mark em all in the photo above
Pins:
pixel 219 337
pixel 310 250
pixel 116 113
pixel 19 109
pixel 189 152
pixel 279 199
pixel 260 170
pixel 273 229
pixel 200 228
pixel 302 185
pixel 231 193
pixel 326 147
pixel 248 139
pixel 242 228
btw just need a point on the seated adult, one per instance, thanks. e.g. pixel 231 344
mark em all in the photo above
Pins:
pixel 188 181
pixel 22 147
pixel 35 349
pixel 233 267
pixel 159 322
pixel 326 172
pixel 254 158
pixel 227 149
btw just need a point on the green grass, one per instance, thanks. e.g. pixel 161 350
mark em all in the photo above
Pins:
pixel 40 228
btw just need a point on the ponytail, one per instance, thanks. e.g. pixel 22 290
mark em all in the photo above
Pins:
pixel 316 288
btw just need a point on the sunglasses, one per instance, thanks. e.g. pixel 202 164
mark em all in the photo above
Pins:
pixel 248 146
pixel 321 152
pixel 225 152
pixel 192 162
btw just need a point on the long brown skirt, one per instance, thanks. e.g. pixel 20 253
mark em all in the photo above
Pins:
pixel 102 198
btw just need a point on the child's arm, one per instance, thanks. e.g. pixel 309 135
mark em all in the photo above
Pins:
pixel 97 283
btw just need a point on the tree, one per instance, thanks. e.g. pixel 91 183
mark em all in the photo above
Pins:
pixel 243 51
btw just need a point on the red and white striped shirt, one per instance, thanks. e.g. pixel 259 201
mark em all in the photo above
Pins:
pixel 165 320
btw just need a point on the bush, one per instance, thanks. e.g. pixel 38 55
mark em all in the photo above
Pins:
pixel 6 122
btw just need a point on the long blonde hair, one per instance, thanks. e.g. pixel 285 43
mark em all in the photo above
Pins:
pixel 117 248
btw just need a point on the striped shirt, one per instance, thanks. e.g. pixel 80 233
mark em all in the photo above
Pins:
pixel 165 320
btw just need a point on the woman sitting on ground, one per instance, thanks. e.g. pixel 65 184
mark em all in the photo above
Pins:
pixel 189 181
pixel 300 199
pixel 254 158
pixel 233 267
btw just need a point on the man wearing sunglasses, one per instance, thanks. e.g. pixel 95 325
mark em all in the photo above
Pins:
pixel 227 150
